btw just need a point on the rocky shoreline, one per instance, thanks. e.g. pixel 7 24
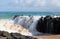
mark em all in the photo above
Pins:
pixel 32 26
pixel 49 25
pixel 6 35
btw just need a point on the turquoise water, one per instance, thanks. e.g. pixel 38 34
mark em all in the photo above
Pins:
pixel 11 14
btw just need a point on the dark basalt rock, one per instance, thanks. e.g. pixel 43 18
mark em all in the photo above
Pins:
pixel 19 36
pixel 49 25
pixel 14 35
pixel 15 16
pixel 56 24
pixel 40 25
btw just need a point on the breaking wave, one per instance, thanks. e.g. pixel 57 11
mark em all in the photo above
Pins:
pixel 25 25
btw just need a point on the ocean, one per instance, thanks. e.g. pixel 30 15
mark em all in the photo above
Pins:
pixel 4 15
pixel 26 22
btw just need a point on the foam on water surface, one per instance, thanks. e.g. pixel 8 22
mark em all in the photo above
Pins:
pixel 13 26
pixel 9 26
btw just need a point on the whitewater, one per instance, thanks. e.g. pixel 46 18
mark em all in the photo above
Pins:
pixel 25 25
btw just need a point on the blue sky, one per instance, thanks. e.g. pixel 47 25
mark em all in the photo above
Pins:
pixel 30 5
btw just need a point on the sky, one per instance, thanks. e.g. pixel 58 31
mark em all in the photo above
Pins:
pixel 30 5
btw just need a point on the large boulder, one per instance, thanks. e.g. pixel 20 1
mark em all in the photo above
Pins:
pixel 49 25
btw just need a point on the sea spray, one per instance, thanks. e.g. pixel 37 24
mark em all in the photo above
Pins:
pixel 10 27
pixel 26 25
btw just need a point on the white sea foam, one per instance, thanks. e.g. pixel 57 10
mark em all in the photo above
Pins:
pixel 8 25
pixel 11 26
pixel 24 25
pixel 29 23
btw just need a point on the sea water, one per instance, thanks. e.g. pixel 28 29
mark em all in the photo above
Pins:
pixel 4 18
pixel 11 14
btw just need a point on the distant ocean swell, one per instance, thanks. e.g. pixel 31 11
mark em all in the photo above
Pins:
pixel 11 14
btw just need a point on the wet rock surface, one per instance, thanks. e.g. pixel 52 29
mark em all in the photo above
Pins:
pixel 6 35
pixel 49 25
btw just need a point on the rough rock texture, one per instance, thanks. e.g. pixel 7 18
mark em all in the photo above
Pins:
pixel 49 25
pixel 6 35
